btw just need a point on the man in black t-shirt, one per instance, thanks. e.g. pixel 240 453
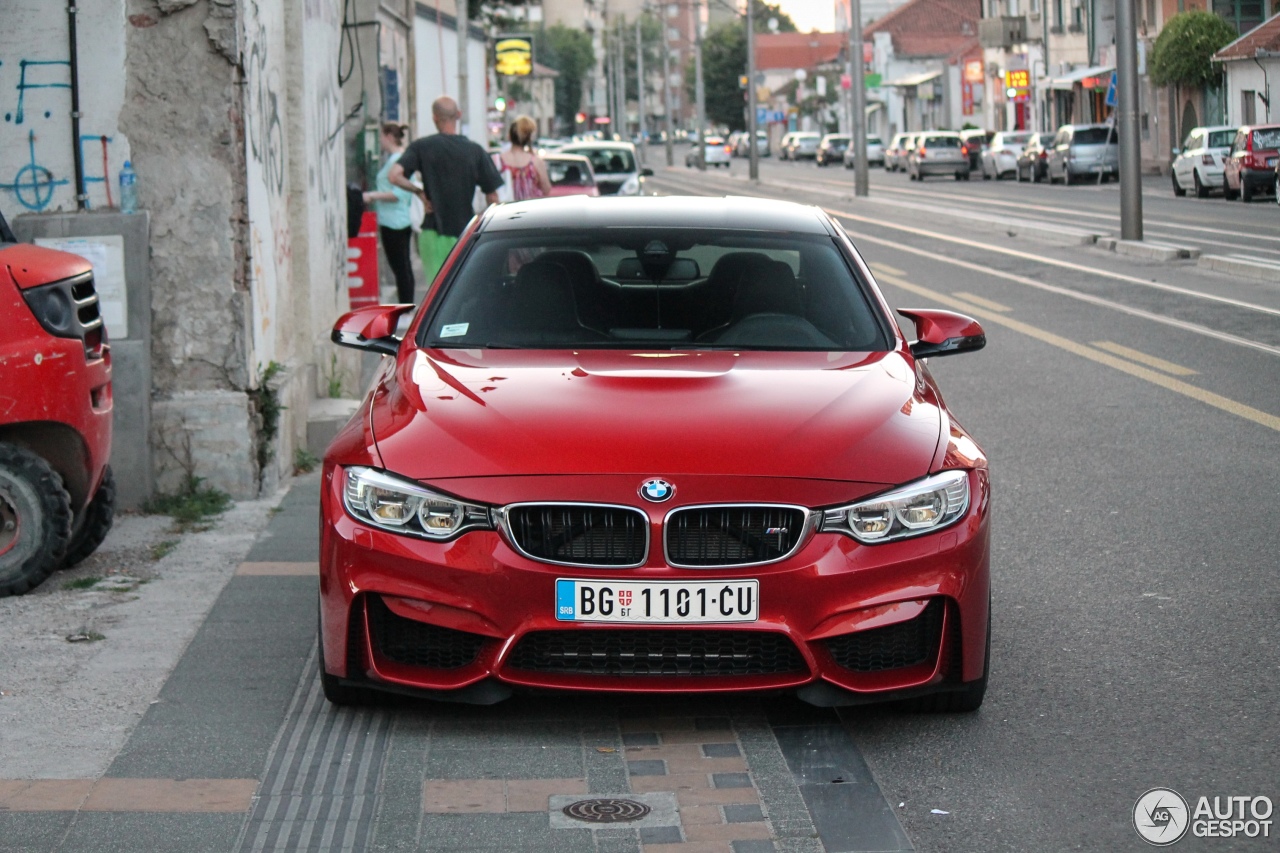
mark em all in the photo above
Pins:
pixel 451 166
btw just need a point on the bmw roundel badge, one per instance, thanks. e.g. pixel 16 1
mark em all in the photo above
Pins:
pixel 657 490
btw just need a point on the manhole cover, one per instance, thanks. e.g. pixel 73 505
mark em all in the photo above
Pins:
pixel 606 810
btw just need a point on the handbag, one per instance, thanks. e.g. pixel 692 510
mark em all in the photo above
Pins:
pixel 505 193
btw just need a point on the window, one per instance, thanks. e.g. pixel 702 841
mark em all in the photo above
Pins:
pixel 1057 14
pixel 1248 106
pixel 1244 15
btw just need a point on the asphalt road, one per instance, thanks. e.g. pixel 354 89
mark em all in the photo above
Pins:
pixel 1132 417
pixel 1213 224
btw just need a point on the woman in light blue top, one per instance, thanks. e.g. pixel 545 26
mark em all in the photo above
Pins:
pixel 392 207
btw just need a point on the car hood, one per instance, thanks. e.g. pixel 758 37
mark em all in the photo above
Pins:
pixel 833 416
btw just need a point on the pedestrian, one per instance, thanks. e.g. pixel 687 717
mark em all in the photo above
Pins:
pixel 391 203
pixel 452 167
pixel 521 167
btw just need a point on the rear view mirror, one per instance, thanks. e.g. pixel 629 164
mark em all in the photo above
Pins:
pixel 372 329
pixel 646 172
pixel 943 332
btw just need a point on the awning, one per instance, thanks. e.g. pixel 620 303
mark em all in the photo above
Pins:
pixel 914 79
pixel 1069 80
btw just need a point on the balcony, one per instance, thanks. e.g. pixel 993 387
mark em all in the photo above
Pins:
pixel 1002 32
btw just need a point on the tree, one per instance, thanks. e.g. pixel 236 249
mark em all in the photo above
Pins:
pixel 570 53
pixel 1183 51
pixel 764 11
pixel 724 60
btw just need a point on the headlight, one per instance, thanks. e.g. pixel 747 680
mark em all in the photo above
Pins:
pixel 922 507
pixel 403 506
pixel 630 187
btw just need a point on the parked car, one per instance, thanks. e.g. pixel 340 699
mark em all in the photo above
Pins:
pixel 556 537
pixel 895 156
pixel 938 152
pixel 570 174
pixel 975 142
pixel 1250 165
pixel 615 164
pixel 1001 156
pixel 718 153
pixel 57 492
pixel 1084 151
pixel 1034 158
pixel 802 146
pixel 1199 163
pixel 831 149
pixel 762 145
pixel 875 153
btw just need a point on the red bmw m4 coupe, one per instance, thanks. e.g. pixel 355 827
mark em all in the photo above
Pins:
pixel 661 445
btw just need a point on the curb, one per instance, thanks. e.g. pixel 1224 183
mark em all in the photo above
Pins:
pixel 1243 266
pixel 1155 251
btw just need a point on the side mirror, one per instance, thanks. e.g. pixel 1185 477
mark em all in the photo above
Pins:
pixel 943 332
pixel 372 329
pixel 1175 151
pixel 646 172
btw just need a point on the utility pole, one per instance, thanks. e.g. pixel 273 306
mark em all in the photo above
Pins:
pixel 753 156
pixel 463 100
pixel 1127 121
pixel 621 127
pixel 698 90
pixel 857 100
pixel 643 146
pixel 666 91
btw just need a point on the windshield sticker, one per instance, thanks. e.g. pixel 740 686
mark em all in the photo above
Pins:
pixel 454 330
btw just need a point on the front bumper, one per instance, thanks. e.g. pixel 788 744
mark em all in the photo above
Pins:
pixel 474 620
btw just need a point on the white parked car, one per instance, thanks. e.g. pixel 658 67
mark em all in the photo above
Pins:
pixel 718 153
pixel 1198 165
pixel 615 164
pixel 1001 157
pixel 875 153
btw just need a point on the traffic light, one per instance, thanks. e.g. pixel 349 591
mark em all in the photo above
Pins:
pixel 742 81
pixel 500 104
pixel 580 118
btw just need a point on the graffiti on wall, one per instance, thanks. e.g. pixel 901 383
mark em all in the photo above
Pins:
pixel 37 164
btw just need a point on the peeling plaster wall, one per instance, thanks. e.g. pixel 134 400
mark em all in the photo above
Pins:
pixel 231 113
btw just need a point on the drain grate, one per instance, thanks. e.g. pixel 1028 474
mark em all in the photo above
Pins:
pixel 606 810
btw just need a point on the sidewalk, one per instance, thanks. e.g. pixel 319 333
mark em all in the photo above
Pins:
pixel 240 752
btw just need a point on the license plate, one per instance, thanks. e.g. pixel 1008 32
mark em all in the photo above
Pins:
pixel 1271 161
pixel 657 602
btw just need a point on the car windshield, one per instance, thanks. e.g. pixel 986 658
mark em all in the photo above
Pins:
pixel 874 140
pixel 1093 136
pixel 1016 138
pixel 1269 138
pixel 568 173
pixel 1221 138
pixel 941 142
pixel 606 161
pixel 655 288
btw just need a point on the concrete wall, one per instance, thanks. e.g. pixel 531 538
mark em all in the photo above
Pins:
pixel 231 114
pixel 1247 76
pixel 436 49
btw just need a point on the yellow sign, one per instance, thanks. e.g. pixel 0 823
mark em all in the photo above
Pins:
pixel 514 57
pixel 1017 79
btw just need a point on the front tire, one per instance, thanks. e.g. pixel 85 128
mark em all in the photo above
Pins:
pixel 99 515
pixel 963 701
pixel 1201 190
pixel 35 520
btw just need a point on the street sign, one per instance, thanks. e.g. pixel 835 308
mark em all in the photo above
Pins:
pixel 1111 91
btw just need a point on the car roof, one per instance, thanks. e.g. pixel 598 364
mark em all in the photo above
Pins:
pixel 587 143
pixel 729 212
pixel 563 157
pixel 1210 128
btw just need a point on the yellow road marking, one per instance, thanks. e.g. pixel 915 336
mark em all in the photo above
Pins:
pixel 978 300
pixel 1143 358
pixel 886 269
pixel 1177 386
